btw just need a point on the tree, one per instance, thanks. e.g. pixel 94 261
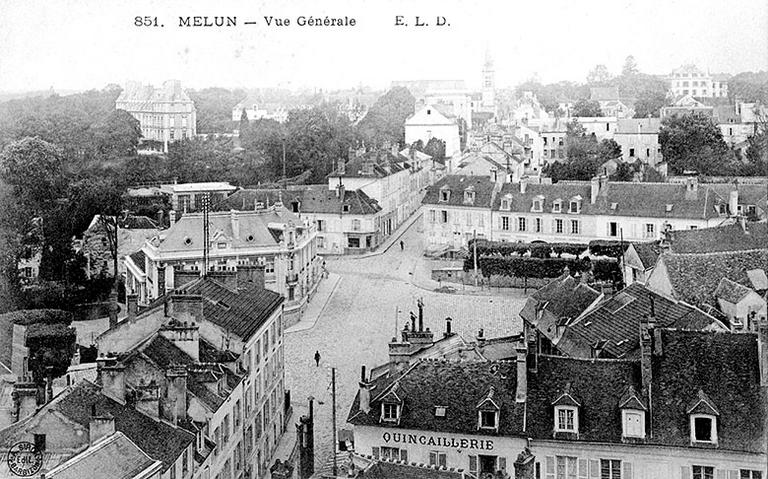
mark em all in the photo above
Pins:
pixel 214 108
pixel 599 74
pixel 608 149
pixel 582 151
pixel 749 87
pixel 630 67
pixel 117 135
pixel 649 103
pixel 586 108
pixel 624 172
pixel 385 121
pixel 34 168
pixel 694 143
pixel 435 148
pixel 756 157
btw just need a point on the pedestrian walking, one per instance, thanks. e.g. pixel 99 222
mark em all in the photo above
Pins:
pixel 317 358
pixel 402 245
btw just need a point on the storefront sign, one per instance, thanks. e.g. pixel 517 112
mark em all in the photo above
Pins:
pixel 437 441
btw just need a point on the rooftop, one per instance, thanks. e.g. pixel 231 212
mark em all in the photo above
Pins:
pixel 457 185
pixel 318 199
pixel 732 237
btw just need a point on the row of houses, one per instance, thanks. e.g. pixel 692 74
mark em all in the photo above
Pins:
pixel 460 207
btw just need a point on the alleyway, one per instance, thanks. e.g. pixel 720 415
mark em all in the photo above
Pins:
pixel 353 328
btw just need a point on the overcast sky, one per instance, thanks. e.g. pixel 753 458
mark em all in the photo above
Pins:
pixel 79 44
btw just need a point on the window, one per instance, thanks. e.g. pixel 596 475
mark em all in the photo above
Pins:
pixel 750 474
pixel 393 453
pixel 521 224
pixel 488 419
pixel 443 216
pixel 469 197
pixel 536 205
pixel 557 206
pixel 505 204
pixel 431 216
pixel 320 225
pixel 566 419
pixel 558 226
pixel 445 195
pixel 437 459
pixel 649 233
pixel 184 464
pixel 703 472
pixel 613 229
pixel 269 267
pixel 610 469
pixel 537 225
pixel 389 412
pixel 469 218
pixel 634 422
pixel 355 225
pixel 631 152
pixel 647 152
pixel 575 229
pixel 722 208
pixel 566 467
pixel 574 207
pixel 703 428
pixel 505 223
pixel 173 472
pixel 545 141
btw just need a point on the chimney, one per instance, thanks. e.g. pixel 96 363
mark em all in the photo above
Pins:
pixel 148 399
pixel 480 338
pixel 365 392
pixel 595 182
pixel 113 308
pixel 184 335
pixel 413 322
pixel 175 404
pixel 522 373
pixel 523 185
pixel 647 325
pixel 159 218
pixel 691 188
pixel 762 348
pixel 185 307
pixel 235 221
pixel 100 426
pixel 448 333
pixel 111 376
pixel 733 202
pixel 24 397
pixel 420 304
pixel 171 218
pixel 132 304
pixel 343 164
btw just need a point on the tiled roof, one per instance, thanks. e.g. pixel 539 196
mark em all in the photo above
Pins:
pixel 397 470
pixel 647 200
pixel 648 253
pixel 158 439
pixel 457 184
pixel 242 313
pixel 253 231
pixel 312 199
pixel 633 126
pixel 165 354
pixel 731 237
pixel 695 277
pixel 138 259
pixel 616 322
pixel 729 291
pixel 722 365
pixel 382 163
pixel 25 317
pixel 565 297
pixel 115 457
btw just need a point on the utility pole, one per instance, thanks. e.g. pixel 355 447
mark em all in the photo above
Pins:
pixel 474 255
pixel 333 414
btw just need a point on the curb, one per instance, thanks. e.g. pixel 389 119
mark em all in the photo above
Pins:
pixel 299 327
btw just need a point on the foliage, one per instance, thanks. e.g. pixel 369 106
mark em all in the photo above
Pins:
pixel 435 148
pixel 756 157
pixel 26 317
pixel 586 108
pixel 624 172
pixel 51 347
pixel 117 135
pixel 214 108
pixel 649 103
pixel 384 124
pixel 630 67
pixel 551 95
pixel 749 87
pixel 694 143
pixel 598 75
pixel 34 168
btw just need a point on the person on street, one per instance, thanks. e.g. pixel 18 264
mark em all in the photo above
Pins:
pixel 402 245
pixel 317 358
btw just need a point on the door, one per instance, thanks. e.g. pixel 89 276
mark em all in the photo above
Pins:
pixel 487 465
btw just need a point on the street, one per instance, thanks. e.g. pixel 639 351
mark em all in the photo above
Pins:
pixel 359 320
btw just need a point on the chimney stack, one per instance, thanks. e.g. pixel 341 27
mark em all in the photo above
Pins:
pixel 522 373
pixel 111 376
pixel 235 221
pixel 175 407
pixel 113 308
pixel 691 188
pixel 185 336
pixel 448 332
pixel 100 426
pixel 595 183
pixel 420 304
pixel 647 325
pixel 132 304
pixel 523 185
pixel 762 347
pixel 365 392
pixel 733 202
pixel 480 338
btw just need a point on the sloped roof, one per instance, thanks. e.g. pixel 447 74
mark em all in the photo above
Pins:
pixel 429 115
pixel 115 457
pixel 634 126
pixel 616 322
pixel 158 439
pixel 242 313
pixel 565 297
pixel 731 291
pixel 312 199
pixel 165 354
pixel 138 259
pixel 382 163
pixel 732 237
pixel 695 277
pixel 482 185
pixel 648 253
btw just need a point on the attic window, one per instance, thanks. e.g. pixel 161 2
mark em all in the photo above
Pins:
pixel 390 412
pixel 249 238
pixel 669 208
pixel 440 411
pixel 187 241
pixel 221 245
pixel 703 428
pixel 469 197
pixel 614 206
pixel 488 419
pixel 557 206
pixel 505 204
pixel 445 195
pixel 345 208
pixel 566 419
pixel 537 205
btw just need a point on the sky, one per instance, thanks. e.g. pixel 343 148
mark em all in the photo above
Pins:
pixel 82 44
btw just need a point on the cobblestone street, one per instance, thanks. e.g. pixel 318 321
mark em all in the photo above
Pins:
pixel 359 320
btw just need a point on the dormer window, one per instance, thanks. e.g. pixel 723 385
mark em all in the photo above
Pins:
pixel 488 419
pixel 505 204
pixel 567 419
pixel 574 206
pixel 538 204
pixel 390 412
pixel 557 206
pixel 440 411
pixel 391 405
pixel 488 411
pixel 703 420
pixel 445 195
pixel 632 415
pixel 469 197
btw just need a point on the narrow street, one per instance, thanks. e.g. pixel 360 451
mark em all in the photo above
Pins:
pixel 360 319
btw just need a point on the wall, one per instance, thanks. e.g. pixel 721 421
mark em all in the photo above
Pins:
pixel 646 147
pixel 455 234
pixel 130 333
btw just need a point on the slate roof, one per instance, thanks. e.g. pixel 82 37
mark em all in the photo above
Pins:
pixel 722 365
pixel 383 163
pixel 483 188
pixel 648 253
pixel 138 259
pixel 732 237
pixel 158 439
pixel 647 200
pixel 730 291
pixel 695 277
pixel 242 313
pixel 115 457
pixel 165 354
pixel 566 297
pixel 635 126
pixel 616 321
pixel 395 470
pixel 312 199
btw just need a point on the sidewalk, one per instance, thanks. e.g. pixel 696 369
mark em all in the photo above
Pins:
pixel 288 440
pixel 383 247
pixel 315 308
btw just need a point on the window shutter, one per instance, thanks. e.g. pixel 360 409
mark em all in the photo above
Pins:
pixel 404 455
pixel 594 469
pixel 550 467
pixel 733 474
pixel 554 226
pixel 432 458
pixel 583 469
pixel 720 474
pixel 627 470
pixel 685 472
pixel 375 452
pixel 473 464
pixel 442 460
pixel 502 463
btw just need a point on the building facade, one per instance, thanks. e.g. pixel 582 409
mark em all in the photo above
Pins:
pixel 639 140
pixel 427 123
pixel 690 80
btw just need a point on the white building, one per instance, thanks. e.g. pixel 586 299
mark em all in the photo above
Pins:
pixel 639 140
pixel 690 80
pixel 429 122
